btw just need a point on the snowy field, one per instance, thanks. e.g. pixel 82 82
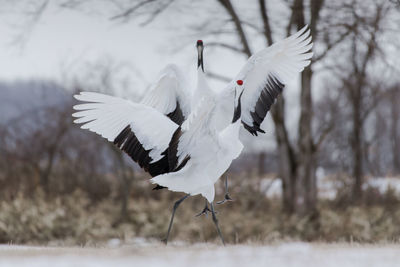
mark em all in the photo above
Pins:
pixel 288 254
pixel 328 186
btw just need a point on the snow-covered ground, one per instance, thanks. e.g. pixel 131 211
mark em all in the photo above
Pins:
pixel 328 186
pixel 287 254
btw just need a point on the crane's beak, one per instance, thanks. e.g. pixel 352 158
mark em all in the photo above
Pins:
pixel 200 49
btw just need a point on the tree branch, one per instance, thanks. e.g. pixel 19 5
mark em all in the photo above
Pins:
pixel 235 18
pixel 127 13
pixel 33 18
pixel 330 46
pixel 227 46
pixel 264 16
pixel 323 135
pixel 156 12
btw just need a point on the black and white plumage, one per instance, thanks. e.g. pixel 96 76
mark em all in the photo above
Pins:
pixel 187 158
pixel 196 153
pixel 141 131
pixel 265 75
pixel 206 152
pixel 161 137
pixel 169 96
pixel 163 132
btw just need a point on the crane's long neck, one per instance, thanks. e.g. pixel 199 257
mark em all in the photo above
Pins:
pixel 238 108
pixel 230 134
pixel 202 88
pixel 200 63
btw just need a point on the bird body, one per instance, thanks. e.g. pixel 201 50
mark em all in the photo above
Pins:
pixel 204 152
pixel 211 152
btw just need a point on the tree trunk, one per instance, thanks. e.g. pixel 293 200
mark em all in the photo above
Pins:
pixel 395 110
pixel 287 161
pixel 286 157
pixel 45 173
pixel 307 184
pixel 126 186
pixel 261 161
pixel 356 145
pixel 126 176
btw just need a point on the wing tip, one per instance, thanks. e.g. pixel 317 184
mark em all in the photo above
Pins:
pixel 253 130
pixel 305 30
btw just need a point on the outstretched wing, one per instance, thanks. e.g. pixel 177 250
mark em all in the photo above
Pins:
pixel 266 73
pixel 141 131
pixel 170 95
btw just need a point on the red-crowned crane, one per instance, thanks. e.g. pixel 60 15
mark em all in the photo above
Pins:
pixel 190 157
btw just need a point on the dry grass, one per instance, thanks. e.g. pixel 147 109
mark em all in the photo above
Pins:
pixel 74 220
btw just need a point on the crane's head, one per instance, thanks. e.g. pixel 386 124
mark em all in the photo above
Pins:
pixel 237 105
pixel 200 48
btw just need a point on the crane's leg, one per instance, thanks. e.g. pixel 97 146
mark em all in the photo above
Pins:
pixel 215 220
pixel 205 211
pixel 176 205
pixel 227 196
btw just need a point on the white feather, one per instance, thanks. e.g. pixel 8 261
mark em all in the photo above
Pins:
pixel 108 116
pixel 169 88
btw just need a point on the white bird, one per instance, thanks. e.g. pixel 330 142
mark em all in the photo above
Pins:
pixel 144 132
pixel 197 153
pixel 190 158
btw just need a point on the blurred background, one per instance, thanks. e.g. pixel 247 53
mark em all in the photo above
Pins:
pixel 327 169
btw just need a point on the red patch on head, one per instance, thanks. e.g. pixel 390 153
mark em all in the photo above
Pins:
pixel 239 82
pixel 199 41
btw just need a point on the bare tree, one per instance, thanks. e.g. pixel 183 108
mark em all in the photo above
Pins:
pixel 394 128
pixel 364 47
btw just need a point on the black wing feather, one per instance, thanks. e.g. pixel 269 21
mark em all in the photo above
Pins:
pixel 271 90
pixel 176 115
pixel 128 142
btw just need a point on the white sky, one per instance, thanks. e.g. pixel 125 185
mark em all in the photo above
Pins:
pixel 65 37
pixel 64 41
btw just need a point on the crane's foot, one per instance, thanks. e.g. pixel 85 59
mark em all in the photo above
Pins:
pixel 227 198
pixel 205 211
